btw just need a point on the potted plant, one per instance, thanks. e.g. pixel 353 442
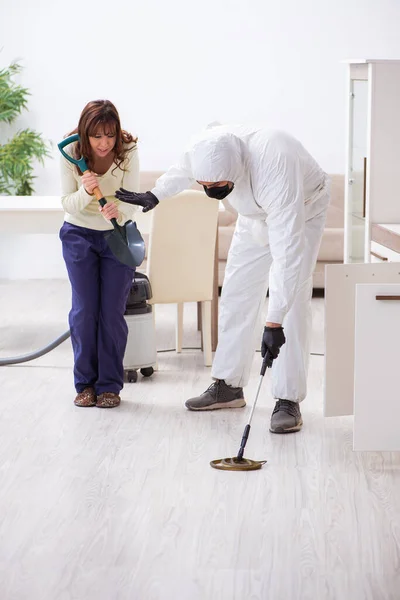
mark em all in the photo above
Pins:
pixel 18 152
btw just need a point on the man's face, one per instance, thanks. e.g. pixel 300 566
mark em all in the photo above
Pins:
pixel 217 189
pixel 211 184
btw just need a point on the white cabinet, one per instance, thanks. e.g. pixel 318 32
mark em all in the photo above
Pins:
pixel 362 375
pixel 373 153
pixel 376 368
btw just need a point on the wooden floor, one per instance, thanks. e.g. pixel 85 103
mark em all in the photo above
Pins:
pixel 123 505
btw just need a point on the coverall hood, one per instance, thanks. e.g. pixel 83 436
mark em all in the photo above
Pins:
pixel 218 157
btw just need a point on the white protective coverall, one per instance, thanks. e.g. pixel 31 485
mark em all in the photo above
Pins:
pixel 281 195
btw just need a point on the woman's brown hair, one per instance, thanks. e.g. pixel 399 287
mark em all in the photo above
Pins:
pixel 96 114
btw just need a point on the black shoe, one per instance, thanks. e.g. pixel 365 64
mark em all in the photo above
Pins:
pixel 218 395
pixel 286 417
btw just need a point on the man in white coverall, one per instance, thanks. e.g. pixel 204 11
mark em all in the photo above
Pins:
pixel 281 195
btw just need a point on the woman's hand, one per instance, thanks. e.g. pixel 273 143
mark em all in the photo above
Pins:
pixel 109 211
pixel 89 181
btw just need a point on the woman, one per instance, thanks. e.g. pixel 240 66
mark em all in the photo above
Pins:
pixel 100 283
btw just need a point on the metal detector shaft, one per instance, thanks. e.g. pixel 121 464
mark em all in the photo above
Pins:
pixel 267 362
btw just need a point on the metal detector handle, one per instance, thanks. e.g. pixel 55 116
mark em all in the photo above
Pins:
pixel 244 441
pixel 267 363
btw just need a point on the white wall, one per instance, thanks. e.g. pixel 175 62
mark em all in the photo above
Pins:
pixel 173 66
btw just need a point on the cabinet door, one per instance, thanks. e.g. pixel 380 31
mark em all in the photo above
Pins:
pixel 340 289
pixel 376 368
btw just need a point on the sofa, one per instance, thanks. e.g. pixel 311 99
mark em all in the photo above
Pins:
pixel 332 244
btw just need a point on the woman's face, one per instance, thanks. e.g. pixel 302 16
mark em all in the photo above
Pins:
pixel 102 142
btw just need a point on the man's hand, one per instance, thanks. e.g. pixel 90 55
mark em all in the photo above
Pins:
pixel 147 199
pixel 272 341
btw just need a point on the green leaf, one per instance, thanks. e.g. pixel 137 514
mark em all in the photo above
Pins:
pixel 19 152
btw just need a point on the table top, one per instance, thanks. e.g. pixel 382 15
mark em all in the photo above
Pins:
pixel 30 203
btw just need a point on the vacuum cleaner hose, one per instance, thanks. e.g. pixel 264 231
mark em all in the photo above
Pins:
pixel 32 355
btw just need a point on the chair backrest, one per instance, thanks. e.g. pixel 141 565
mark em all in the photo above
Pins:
pixel 147 182
pixel 182 248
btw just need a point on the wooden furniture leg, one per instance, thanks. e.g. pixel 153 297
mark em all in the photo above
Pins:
pixel 214 304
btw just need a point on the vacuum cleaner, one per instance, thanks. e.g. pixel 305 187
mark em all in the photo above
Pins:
pixel 141 351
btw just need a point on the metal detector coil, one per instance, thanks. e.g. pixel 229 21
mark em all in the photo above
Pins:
pixel 238 463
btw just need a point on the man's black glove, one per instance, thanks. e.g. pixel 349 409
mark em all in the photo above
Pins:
pixel 272 341
pixel 147 200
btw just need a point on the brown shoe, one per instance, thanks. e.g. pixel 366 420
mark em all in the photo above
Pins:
pixel 86 398
pixel 108 400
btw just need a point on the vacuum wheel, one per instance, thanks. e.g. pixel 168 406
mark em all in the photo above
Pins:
pixel 147 371
pixel 132 376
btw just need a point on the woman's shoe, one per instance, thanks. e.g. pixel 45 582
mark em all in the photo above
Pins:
pixel 86 398
pixel 108 400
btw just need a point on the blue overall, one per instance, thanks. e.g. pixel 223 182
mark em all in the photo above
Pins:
pixel 100 287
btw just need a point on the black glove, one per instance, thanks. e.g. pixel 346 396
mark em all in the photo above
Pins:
pixel 147 200
pixel 272 341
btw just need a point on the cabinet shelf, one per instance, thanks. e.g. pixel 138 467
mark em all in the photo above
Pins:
pixel 358 216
